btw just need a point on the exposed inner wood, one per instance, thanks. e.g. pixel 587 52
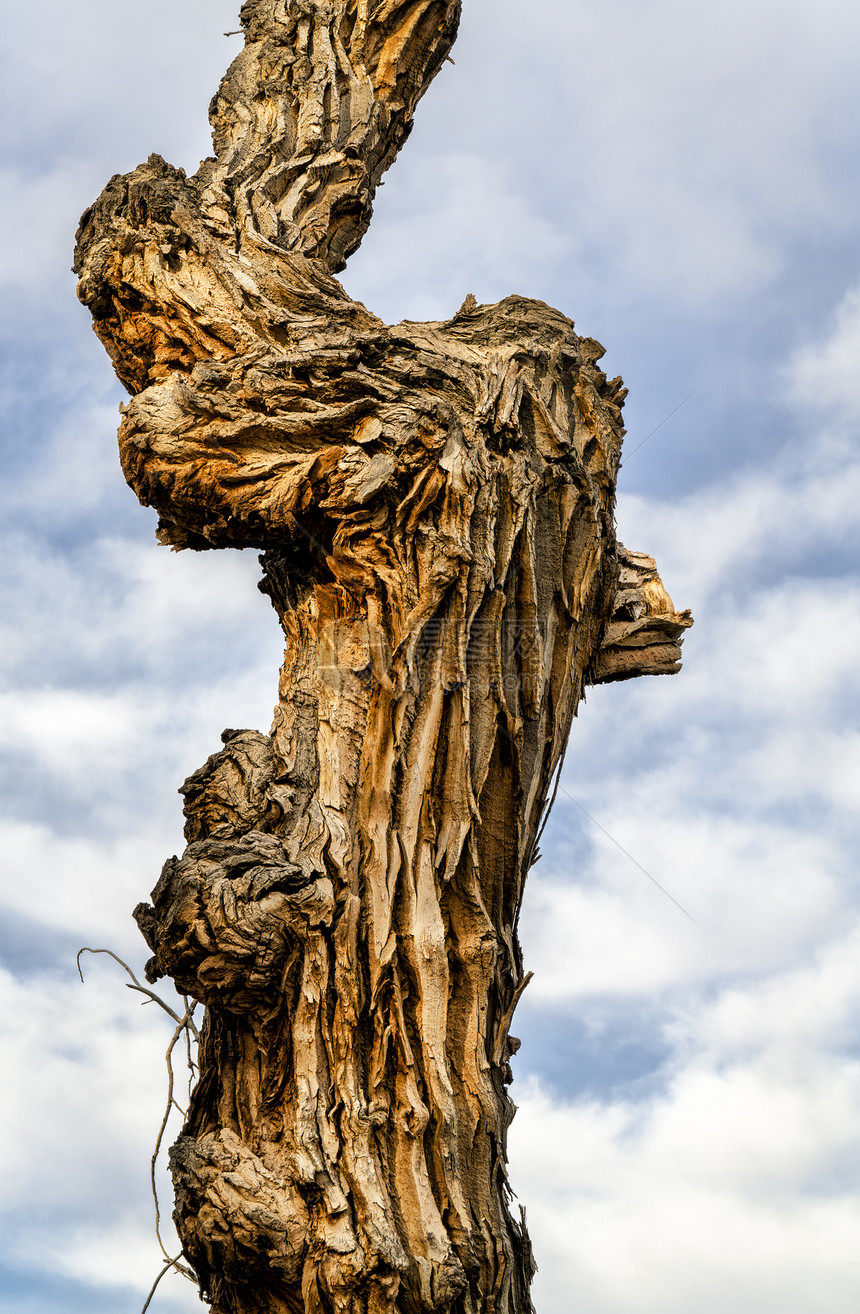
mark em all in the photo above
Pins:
pixel 434 505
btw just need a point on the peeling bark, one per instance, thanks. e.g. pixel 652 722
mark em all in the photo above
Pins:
pixel 434 504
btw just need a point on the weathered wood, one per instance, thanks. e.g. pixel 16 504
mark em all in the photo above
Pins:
pixel 435 507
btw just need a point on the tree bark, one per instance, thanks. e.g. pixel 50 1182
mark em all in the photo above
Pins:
pixel 434 503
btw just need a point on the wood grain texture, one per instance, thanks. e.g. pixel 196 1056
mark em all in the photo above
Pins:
pixel 434 504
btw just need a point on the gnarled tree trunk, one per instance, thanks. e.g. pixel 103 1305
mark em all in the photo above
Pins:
pixel 435 507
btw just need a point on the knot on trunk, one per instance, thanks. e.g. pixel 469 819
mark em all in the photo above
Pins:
pixel 225 916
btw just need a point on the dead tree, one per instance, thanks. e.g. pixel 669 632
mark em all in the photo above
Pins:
pixel 434 504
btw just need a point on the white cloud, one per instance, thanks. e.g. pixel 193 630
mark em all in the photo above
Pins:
pixel 36 233
pixel 85 887
pixel 70 730
pixel 733 785
pixel 78 1125
pixel 474 231
pixel 151 624
pixel 685 149
pixel 782 1017
pixel 728 1179
pixel 825 376
pixel 632 1222
pixel 759 520
pixel 733 1187
pixel 156 66
pixel 760 896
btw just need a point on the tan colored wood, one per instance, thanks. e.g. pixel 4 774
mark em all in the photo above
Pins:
pixel 434 504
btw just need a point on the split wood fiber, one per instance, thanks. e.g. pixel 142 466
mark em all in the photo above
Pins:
pixel 434 505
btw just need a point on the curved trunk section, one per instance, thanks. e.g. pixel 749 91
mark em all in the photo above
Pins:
pixel 347 905
pixel 434 503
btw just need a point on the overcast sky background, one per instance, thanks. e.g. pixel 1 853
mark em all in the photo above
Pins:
pixel 683 181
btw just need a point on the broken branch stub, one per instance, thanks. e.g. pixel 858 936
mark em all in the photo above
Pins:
pixel 434 503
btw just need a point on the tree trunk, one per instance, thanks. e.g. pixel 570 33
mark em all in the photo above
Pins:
pixel 435 507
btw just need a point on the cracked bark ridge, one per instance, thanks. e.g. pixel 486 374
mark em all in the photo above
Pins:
pixel 434 504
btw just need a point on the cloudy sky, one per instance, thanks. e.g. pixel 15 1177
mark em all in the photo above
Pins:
pixel 683 181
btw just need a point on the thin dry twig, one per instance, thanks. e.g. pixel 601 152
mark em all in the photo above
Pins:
pixel 173 1263
pixel 143 990
pixel 157 1151
pixel 548 809
pixel 186 1025
pixel 171 1104
pixel 189 1056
